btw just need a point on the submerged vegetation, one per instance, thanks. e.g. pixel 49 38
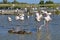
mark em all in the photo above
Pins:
pixel 57 12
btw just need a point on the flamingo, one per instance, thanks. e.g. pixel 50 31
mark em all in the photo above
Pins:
pixel 17 17
pixel 46 12
pixel 49 13
pixel 26 9
pixel 22 17
pixel 9 19
pixel 16 10
pixel 35 8
pixel 38 17
pixel 32 8
pixel 46 21
pixel 28 16
pixel 47 18
pixel 42 11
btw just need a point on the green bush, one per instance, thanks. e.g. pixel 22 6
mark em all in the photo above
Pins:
pixel 49 2
pixel 57 12
pixel 41 2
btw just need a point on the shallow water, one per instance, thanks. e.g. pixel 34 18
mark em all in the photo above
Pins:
pixel 31 25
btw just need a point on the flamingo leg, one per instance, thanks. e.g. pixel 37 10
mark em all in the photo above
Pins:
pixel 47 30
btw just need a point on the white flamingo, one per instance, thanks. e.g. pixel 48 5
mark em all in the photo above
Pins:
pixel 22 14
pixel 49 13
pixel 17 17
pixel 16 10
pixel 9 19
pixel 38 17
pixel 22 17
pixel 32 8
pixel 35 8
pixel 46 12
pixel 26 9
pixel 28 16
pixel 46 20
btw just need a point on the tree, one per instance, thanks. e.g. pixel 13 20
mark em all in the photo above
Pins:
pixel 15 2
pixel 41 2
pixel 5 1
pixel 49 2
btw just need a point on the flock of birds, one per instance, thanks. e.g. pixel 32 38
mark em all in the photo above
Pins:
pixel 45 15
pixel 21 17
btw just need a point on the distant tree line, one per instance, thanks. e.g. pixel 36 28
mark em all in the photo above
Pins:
pixel 6 2
pixel 47 2
pixel 16 2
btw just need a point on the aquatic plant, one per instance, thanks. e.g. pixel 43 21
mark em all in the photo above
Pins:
pixel 57 12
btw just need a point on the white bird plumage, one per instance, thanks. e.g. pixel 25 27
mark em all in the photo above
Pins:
pixel 9 19
pixel 17 17
pixel 47 18
pixel 28 16
pixel 38 17
pixel 49 13
pixel 21 17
